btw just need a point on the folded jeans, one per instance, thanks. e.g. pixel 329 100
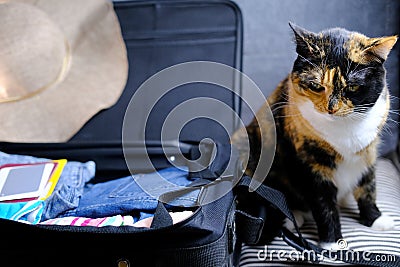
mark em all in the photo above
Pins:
pixel 137 194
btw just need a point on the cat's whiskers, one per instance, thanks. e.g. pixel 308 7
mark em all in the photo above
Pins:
pixel 279 103
pixel 276 109
pixel 365 107
pixel 394 111
pixel 393 121
pixel 361 109
pixel 279 107
pixel 387 129
pixel 370 104
pixel 357 116
pixel 286 95
pixel 351 115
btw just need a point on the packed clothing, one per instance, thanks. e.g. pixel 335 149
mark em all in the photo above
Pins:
pixel 126 201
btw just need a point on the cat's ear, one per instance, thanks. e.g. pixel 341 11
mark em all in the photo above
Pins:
pixel 304 41
pixel 379 48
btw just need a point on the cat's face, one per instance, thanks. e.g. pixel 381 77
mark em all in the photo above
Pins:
pixel 341 72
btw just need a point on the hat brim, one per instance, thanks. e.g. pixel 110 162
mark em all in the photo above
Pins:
pixel 95 80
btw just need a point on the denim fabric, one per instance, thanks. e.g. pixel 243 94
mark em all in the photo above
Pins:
pixel 136 195
pixel 69 188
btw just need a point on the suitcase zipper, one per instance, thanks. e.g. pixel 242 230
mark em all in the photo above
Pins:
pixel 184 36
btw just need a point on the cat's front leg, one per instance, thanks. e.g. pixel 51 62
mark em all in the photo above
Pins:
pixel 365 195
pixel 323 203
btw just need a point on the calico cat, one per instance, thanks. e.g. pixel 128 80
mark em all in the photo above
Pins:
pixel 329 113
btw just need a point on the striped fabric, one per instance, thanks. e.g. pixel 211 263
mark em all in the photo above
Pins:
pixel 116 220
pixel 357 236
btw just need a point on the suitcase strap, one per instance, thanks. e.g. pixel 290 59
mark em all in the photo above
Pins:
pixel 253 227
pixel 211 178
pixel 207 192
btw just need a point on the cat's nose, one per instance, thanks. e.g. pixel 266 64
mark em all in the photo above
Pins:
pixel 333 106
pixel 332 111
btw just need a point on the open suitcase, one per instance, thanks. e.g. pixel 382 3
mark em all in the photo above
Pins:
pixel 158 35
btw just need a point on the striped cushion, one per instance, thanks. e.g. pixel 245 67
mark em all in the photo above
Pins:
pixel 357 236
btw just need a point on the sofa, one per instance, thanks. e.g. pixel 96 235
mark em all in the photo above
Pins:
pixel 269 52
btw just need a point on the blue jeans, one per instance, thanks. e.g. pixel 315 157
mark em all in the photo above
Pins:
pixel 136 195
pixel 69 188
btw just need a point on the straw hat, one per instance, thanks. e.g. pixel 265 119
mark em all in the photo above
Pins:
pixel 61 62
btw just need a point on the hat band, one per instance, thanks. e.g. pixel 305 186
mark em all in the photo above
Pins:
pixel 60 76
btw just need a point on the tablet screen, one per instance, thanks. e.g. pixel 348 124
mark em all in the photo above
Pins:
pixel 24 181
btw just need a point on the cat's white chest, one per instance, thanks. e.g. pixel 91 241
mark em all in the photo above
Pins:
pixel 347 135
pixel 348 174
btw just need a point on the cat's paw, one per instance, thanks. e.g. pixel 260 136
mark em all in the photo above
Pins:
pixel 341 244
pixel 383 223
pixel 329 245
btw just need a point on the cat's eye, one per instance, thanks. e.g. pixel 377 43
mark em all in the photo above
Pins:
pixel 315 87
pixel 353 88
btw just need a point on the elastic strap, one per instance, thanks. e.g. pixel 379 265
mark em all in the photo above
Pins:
pixel 277 199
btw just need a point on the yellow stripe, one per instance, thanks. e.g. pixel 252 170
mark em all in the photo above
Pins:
pixel 54 177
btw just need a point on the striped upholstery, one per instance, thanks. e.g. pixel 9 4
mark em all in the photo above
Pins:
pixel 358 237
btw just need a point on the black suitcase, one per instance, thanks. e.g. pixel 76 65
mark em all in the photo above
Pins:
pixel 158 35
